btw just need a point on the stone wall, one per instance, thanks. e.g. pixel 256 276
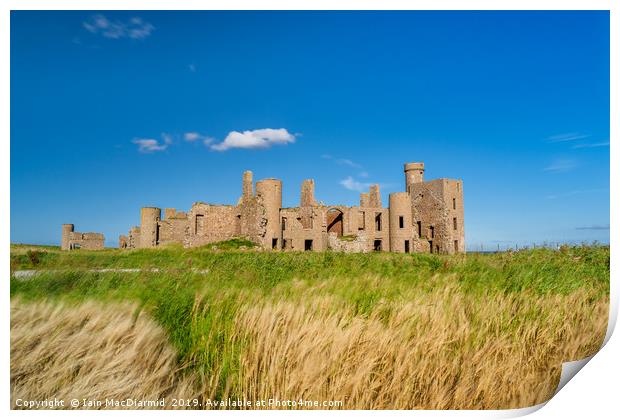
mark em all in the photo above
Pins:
pixel 402 234
pixel 377 225
pixel 436 206
pixel 455 216
pixel 253 220
pixel 353 243
pixel 211 223
pixel 133 237
pixel 427 217
pixel 302 228
pixel 173 229
pixel 77 240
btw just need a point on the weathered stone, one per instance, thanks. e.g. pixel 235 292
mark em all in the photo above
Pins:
pixel 307 193
pixel 71 240
pixel 427 217
pixel 352 243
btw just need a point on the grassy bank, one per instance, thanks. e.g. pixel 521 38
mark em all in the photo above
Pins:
pixel 540 270
pixel 375 330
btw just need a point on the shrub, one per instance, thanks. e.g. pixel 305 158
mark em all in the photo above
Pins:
pixel 33 257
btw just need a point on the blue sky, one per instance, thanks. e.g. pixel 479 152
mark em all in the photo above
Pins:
pixel 111 111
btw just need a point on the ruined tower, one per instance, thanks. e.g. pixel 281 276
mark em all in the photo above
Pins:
pixel 149 228
pixel 307 193
pixel 414 173
pixel 270 193
pixel 169 213
pixel 364 199
pixel 67 228
pixel 247 188
pixel 374 196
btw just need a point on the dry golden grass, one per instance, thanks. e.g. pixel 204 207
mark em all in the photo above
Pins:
pixel 442 349
pixel 91 351
pixel 439 350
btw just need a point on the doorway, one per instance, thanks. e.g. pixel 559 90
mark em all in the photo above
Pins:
pixel 334 222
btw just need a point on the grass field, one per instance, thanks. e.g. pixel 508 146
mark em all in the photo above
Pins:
pixel 374 330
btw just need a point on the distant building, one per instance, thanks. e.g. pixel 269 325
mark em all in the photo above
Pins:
pixel 78 240
pixel 427 217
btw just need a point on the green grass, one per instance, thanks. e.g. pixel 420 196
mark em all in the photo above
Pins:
pixel 23 247
pixel 540 270
pixel 231 244
pixel 198 308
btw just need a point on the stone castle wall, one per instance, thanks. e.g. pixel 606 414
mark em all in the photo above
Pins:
pixel 426 217
pixel 173 228
pixel 208 223
pixel 71 240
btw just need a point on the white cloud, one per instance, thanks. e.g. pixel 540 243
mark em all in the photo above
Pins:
pixel 576 192
pixel 351 184
pixel 262 138
pixel 348 162
pixel 561 165
pixel 167 138
pixel 150 145
pixel 590 145
pixel 567 137
pixel 135 28
pixel 342 161
pixel 138 29
pixel 193 136
pixel 254 139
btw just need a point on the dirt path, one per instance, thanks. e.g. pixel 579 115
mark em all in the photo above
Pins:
pixel 26 274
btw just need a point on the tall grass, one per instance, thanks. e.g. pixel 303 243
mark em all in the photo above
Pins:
pixel 438 350
pixel 91 351
pixel 375 330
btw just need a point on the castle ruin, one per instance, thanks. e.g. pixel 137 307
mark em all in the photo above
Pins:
pixel 426 217
pixel 78 240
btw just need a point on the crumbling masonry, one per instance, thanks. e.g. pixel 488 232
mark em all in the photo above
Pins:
pixel 78 240
pixel 427 217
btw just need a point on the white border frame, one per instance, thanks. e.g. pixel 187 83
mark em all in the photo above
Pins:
pixel 592 394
